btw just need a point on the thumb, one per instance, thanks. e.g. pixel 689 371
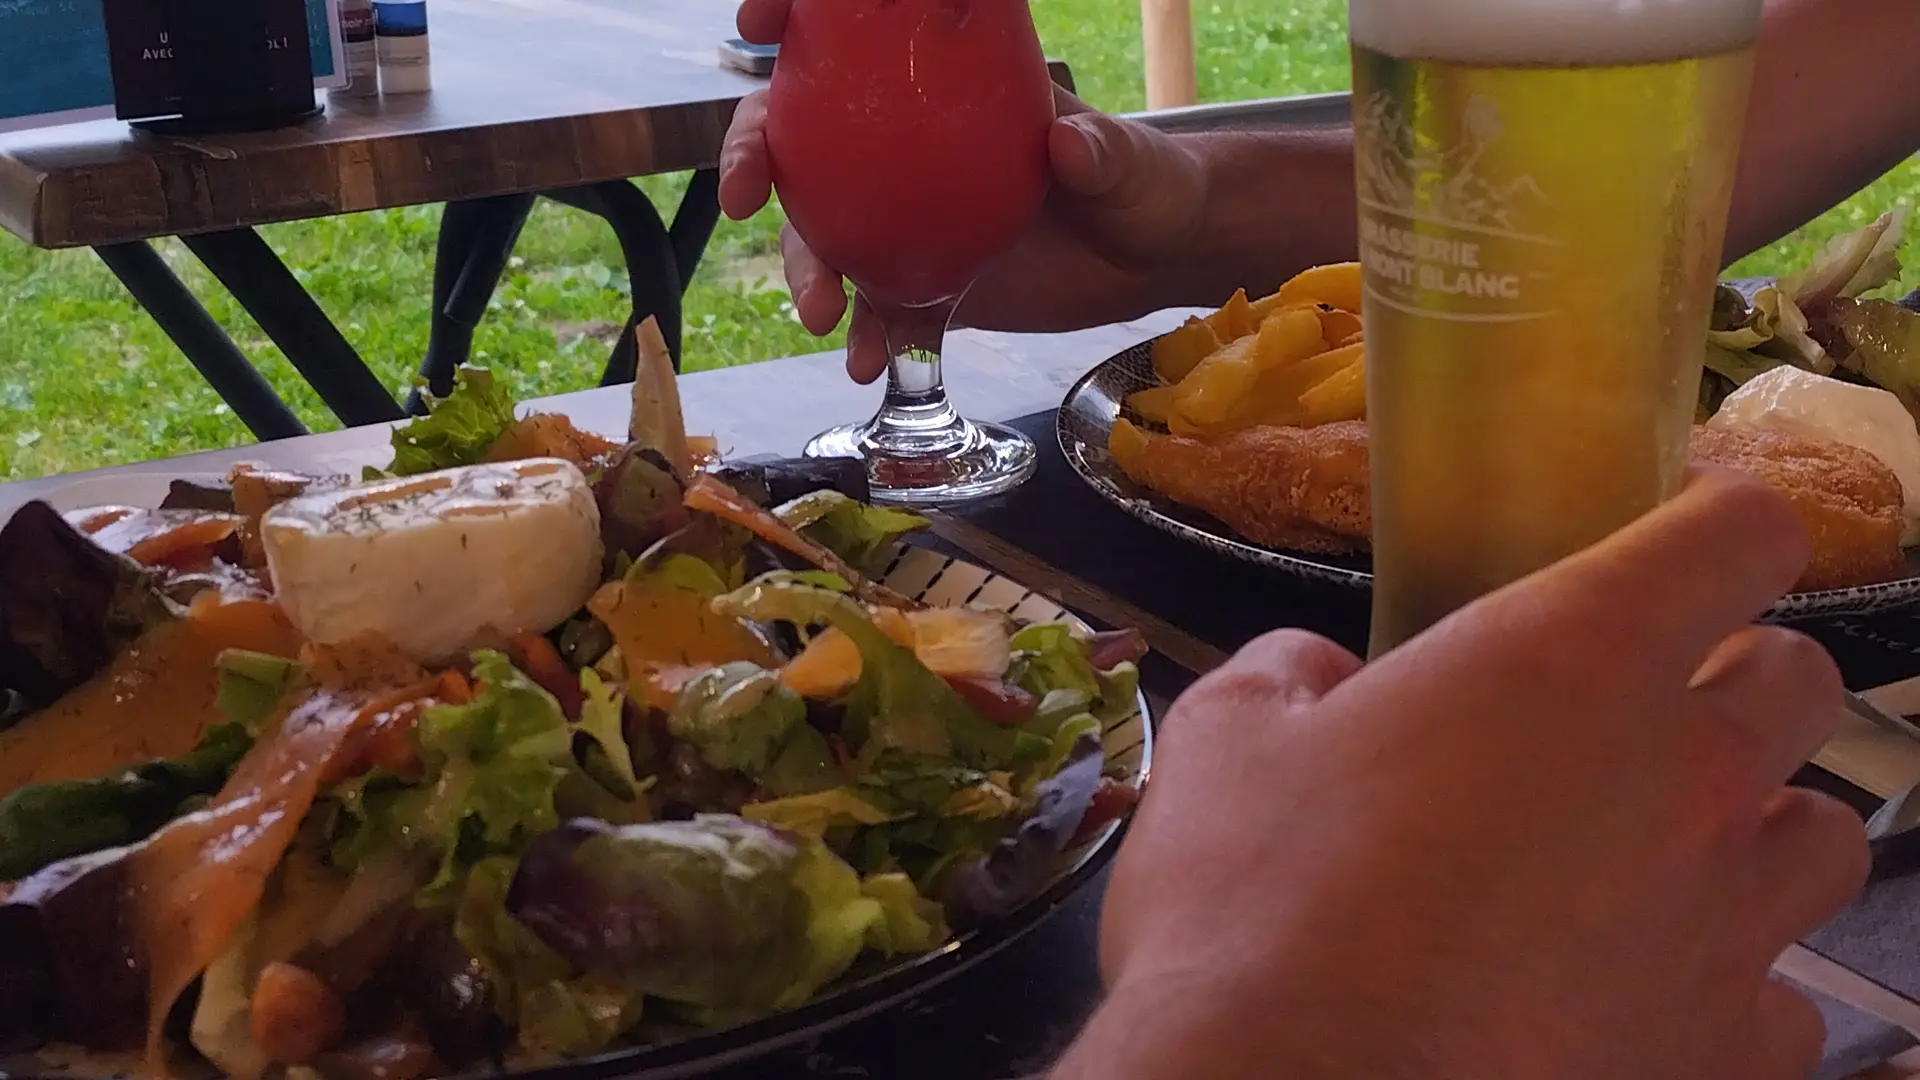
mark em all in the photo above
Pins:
pixel 1092 153
pixel 1131 192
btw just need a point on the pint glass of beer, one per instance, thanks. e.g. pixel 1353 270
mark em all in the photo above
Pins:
pixel 1543 190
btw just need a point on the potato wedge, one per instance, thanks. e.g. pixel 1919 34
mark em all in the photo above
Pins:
pixel 1176 354
pixel 1208 395
pixel 1355 338
pixel 1287 338
pixel 1341 397
pixel 1268 306
pixel 1336 285
pixel 1127 445
pixel 1234 320
pixel 1155 404
pixel 1225 385
pixel 1277 396
pixel 1180 425
pixel 1339 327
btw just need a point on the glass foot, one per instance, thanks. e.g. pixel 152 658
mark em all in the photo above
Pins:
pixel 972 461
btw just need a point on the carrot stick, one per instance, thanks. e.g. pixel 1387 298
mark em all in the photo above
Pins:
pixel 543 665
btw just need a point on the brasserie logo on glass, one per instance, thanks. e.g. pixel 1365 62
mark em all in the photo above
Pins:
pixel 1439 237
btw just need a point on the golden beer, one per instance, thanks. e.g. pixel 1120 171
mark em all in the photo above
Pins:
pixel 1543 197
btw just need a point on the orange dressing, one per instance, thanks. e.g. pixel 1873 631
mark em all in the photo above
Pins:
pixel 153 701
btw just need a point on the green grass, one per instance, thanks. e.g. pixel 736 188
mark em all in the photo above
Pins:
pixel 86 379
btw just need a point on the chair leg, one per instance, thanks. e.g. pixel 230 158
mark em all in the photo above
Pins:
pixel 476 239
pixel 653 269
pixel 693 223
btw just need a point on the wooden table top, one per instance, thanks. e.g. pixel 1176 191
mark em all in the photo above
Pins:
pixel 528 95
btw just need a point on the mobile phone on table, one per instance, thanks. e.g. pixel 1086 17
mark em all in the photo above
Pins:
pixel 749 58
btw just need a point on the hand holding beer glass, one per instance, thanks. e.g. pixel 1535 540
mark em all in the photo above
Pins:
pixel 1543 189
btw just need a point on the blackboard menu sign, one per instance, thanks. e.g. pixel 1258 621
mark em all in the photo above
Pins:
pixel 218 65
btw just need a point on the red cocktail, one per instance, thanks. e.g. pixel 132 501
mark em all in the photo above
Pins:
pixel 909 147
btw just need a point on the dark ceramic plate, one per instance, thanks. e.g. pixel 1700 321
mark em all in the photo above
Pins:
pixel 1086 418
pixel 923 575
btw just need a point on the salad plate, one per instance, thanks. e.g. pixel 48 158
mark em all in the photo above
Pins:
pixel 931 578
pixel 109 489
pixel 301 776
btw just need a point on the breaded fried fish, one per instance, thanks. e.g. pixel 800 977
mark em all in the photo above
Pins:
pixel 1307 489
pixel 1303 489
pixel 1849 501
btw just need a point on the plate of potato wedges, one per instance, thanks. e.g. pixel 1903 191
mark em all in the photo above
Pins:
pixel 1156 428
pixel 1244 431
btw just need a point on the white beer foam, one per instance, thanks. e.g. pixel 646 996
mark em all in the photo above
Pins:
pixel 1584 32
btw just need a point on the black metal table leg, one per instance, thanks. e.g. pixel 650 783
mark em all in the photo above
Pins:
pixel 287 312
pixel 693 223
pixel 476 239
pixel 155 286
pixel 653 269
pixel 447 347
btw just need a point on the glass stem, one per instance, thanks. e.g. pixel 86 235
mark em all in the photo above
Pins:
pixel 915 417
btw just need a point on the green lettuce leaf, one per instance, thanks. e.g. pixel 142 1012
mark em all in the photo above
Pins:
pixel 846 916
pixel 743 718
pixel 42 824
pixel 739 715
pixel 365 816
pixel 819 579
pixel 1048 657
pixel 493 766
pixel 1057 707
pixel 497 772
pixel 840 919
pixel 1883 341
pixel 1065 738
pixel 740 919
pixel 601 720
pixel 1851 264
pixel 898 704
pixel 917 785
pixel 984 800
pixel 911 923
pixel 813 815
pixel 458 429
pixel 251 685
pixel 1789 333
pixel 554 1010
pixel 1119 692
pixel 689 572
pixel 724 923
pixel 858 533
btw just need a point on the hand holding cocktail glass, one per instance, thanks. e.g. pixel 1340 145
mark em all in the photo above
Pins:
pixel 1125 205
pixel 908 144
